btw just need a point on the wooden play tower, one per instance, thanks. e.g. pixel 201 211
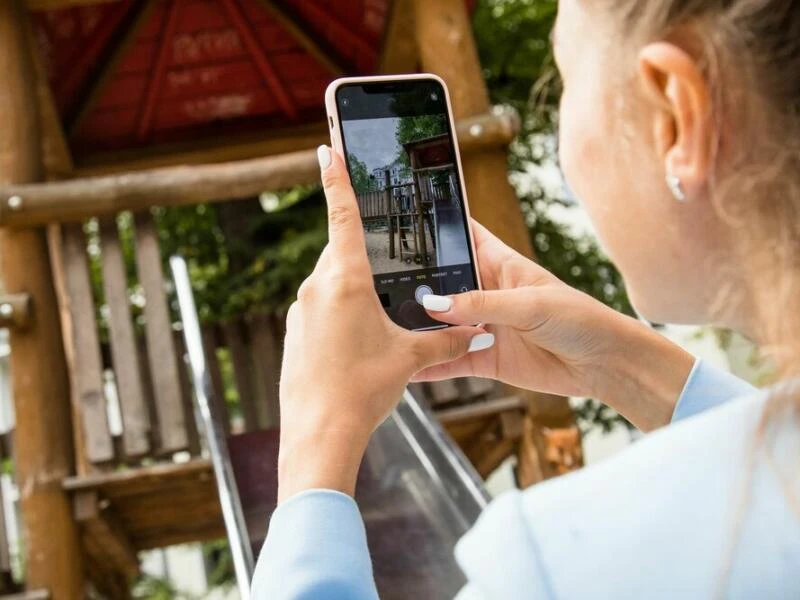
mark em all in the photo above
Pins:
pixel 119 106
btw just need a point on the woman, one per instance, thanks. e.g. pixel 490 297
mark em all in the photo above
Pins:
pixel 680 130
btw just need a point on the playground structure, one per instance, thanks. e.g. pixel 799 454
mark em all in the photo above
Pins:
pixel 117 106
pixel 414 205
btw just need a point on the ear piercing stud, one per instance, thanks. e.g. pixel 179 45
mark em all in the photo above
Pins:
pixel 675 186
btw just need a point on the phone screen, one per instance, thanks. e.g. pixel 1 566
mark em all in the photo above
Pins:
pixel 398 145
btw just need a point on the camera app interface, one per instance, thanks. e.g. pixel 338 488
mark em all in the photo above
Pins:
pixel 399 151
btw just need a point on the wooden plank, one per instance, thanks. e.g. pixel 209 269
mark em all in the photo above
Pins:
pixel 144 480
pixel 266 355
pixel 127 373
pixel 147 389
pixel 242 370
pixel 39 381
pixel 220 406
pixel 81 345
pixel 187 395
pixel 480 410
pixel 160 341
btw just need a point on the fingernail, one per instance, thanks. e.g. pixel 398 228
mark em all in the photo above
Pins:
pixel 437 303
pixel 482 341
pixel 324 157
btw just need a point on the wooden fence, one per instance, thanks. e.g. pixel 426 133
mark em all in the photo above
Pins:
pixel 139 372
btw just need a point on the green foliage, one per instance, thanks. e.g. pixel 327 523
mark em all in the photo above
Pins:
pixel 359 176
pixel 148 587
pixel 410 129
pixel 513 38
pixel 281 247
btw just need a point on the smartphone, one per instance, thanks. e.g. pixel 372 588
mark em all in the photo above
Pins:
pixel 397 137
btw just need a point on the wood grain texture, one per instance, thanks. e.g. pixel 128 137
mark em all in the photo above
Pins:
pixel 40 386
pixel 160 341
pixel 130 386
pixel 81 345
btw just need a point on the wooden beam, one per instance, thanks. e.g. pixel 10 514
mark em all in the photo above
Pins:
pixel 40 386
pixel 172 186
pixel 156 82
pixel 341 30
pixel 323 53
pixel 399 53
pixel 56 154
pixel 143 12
pixel 79 199
pixel 259 56
pixel 101 523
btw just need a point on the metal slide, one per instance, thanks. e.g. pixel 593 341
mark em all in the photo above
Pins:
pixel 417 492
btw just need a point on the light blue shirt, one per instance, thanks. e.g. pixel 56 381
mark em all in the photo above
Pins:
pixel 695 510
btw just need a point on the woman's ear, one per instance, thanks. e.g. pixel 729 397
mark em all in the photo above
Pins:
pixel 682 127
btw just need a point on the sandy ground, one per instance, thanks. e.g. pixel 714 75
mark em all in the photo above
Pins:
pixel 378 252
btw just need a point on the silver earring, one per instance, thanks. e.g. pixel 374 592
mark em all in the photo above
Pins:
pixel 675 186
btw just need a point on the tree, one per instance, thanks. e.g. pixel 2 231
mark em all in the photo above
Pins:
pixel 359 175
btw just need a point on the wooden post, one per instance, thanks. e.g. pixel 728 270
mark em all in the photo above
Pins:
pixel 387 202
pixel 422 247
pixel 447 48
pixel 44 450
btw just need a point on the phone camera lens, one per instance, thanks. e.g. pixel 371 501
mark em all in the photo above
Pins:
pixel 345 102
pixel 434 96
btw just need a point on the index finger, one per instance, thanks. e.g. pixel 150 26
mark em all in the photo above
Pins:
pixel 345 231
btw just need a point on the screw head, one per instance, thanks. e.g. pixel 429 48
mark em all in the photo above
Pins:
pixel 15 202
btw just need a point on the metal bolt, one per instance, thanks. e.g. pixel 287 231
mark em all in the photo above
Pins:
pixel 15 202
pixel 476 130
pixel 6 310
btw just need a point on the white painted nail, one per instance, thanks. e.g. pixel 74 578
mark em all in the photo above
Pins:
pixel 324 157
pixel 437 303
pixel 482 341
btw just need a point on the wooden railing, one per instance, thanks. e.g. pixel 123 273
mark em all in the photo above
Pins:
pixel 143 362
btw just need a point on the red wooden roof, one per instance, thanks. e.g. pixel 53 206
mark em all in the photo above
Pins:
pixel 136 73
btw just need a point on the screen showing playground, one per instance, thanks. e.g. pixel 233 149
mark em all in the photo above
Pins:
pixel 399 152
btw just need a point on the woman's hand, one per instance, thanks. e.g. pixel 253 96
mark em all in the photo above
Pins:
pixel 553 338
pixel 345 363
